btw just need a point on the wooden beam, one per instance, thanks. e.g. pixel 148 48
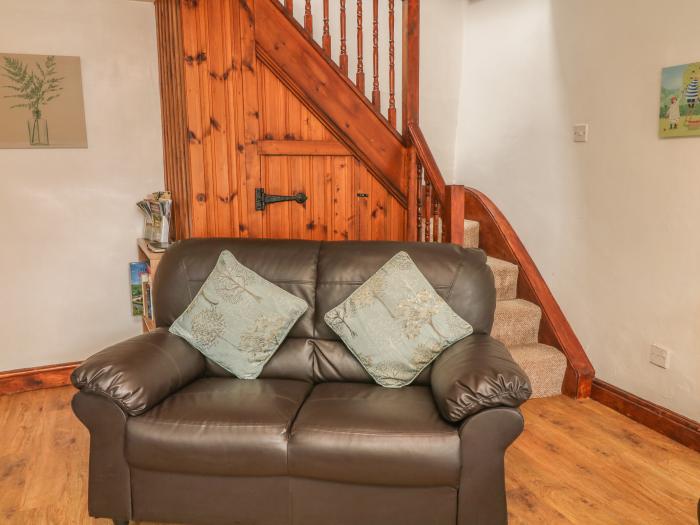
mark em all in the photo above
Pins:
pixel 664 421
pixel 302 148
pixel 25 379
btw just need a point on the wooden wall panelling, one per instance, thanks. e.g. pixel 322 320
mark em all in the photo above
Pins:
pixel 343 200
pixel 252 224
pixel 172 89
pixel 218 29
pixel 244 126
pixel 195 57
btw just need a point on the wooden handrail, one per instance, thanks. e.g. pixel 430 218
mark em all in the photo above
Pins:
pixel 498 238
pixel 432 170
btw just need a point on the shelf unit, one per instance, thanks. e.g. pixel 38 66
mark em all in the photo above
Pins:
pixel 152 258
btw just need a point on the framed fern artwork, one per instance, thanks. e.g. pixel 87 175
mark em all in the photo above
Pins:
pixel 41 102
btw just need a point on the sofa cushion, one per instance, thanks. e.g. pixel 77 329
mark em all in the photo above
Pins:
pixel 459 275
pixel 218 426
pixel 395 323
pixel 238 319
pixel 361 433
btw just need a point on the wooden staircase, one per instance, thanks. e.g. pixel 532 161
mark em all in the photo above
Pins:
pixel 251 99
pixel 517 325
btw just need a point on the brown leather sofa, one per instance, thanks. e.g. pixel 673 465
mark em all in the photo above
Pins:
pixel 174 437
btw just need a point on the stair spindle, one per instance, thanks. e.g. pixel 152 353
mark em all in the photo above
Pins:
pixel 375 52
pixel 308 18
pixel 343 40
pixel 360 77
pixel 392 71
pixel 289 5
pixel 326 39
pixel 437 230
pixel 421 201
pixel 429 211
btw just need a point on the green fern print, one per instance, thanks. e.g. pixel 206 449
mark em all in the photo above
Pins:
pixel 33 89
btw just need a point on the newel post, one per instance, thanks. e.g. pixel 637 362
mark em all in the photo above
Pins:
pixel 411 63
pixel 454 214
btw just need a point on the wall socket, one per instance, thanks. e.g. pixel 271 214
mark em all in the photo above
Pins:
pixel 581 133
pixel 659 356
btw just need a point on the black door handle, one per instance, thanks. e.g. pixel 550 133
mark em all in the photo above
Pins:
pixel 262 199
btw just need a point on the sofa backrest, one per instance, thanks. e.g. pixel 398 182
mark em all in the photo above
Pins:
pixel 291 265
pixel 324 274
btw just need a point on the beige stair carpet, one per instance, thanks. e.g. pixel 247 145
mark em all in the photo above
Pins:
pixel 544 365
pixel 516 322
pixel 506 276
pixel 471 234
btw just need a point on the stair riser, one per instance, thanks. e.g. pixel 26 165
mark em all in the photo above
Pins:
pixel 506 279
pixel 517 325
pixel 471 234
pixel 544 365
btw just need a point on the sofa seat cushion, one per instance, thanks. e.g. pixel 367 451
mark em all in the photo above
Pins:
pixel 362 433
pixel 218 426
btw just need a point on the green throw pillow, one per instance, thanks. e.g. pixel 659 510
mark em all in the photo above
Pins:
pixel 238 319
pixel 396 324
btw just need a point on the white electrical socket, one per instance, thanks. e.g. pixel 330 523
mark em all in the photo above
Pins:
pixel 581 133
pixel 659 356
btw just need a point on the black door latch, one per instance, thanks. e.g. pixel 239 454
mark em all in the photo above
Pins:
pixel 262 199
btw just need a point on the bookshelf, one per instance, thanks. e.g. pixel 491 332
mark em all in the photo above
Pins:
pixel 152 258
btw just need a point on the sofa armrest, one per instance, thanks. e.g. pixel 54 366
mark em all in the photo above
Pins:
pixel 477 373
pixel 140 372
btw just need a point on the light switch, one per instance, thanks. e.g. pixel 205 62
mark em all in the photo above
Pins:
pixel 581 133
pixel 659 356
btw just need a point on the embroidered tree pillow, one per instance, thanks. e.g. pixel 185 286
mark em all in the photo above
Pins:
pixel 238 319
pixel 396 324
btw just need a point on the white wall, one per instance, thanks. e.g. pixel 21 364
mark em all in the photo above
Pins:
pixel 441 65
pixel 68 220
pixel 612 224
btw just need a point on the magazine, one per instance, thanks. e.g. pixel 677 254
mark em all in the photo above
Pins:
pixel 156 209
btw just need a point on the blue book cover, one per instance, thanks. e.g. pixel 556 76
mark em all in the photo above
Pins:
pixel 136 269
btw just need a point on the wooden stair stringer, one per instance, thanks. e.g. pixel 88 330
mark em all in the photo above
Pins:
pixel 498 239
pixel 300 63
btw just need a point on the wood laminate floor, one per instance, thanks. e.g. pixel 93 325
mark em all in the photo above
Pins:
pixel 576 462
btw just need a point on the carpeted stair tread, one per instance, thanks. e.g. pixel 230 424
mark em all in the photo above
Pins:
pixel 544 365
pixel 506 277
pixel 471 234
pixel 516 322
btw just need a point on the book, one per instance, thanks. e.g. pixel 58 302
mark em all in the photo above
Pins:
pixel 136 270
pixel 147 297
